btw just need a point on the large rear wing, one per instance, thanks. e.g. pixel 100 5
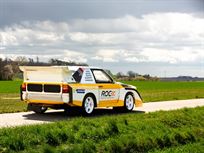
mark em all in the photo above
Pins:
pixel 47 74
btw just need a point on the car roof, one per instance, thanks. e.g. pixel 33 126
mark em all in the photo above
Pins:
pixel 75 68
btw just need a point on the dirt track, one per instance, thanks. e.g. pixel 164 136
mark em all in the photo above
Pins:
pixel 26 118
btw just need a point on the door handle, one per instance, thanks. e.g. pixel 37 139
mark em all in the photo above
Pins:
pixel 100 86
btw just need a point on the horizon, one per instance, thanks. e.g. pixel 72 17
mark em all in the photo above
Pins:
pixel 164 39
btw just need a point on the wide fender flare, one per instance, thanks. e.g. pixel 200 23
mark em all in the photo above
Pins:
pixel 137 96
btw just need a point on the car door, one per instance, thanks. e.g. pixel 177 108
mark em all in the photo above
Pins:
pixel 108 91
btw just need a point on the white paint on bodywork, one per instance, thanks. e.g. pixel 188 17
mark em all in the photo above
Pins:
pixel 46 74
pixel 80 96
pixel 87 77
pixel 48 96
pixel 124 91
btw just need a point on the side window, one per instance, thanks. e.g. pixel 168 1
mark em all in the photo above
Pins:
pixel 78 75
pixel 101 77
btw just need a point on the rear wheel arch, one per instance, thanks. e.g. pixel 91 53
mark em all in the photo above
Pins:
pixel 88 104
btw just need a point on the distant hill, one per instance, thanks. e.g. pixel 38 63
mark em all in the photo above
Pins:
pixel 182 78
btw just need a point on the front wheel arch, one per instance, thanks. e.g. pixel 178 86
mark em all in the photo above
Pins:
pixel 132 94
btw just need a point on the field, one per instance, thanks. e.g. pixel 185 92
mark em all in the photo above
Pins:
pixel 158 132
pixel 9 97
pixel 150 91
pixel 10 86
pixel 161 91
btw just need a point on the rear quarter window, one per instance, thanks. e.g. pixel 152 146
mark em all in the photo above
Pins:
pixel 78 75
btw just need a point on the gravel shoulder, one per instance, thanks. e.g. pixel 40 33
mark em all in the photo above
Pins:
pixel 28 118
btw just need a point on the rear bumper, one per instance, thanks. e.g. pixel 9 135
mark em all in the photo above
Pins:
pixel 49 102
pixel 53 103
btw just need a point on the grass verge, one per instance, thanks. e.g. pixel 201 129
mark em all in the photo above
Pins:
pixel 158 131
pixel 10 102
pixel 188 148
pixel 10 86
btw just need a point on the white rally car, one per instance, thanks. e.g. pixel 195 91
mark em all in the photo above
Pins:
pixel 75 86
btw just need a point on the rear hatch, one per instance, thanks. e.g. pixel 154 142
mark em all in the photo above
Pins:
pixel 46 84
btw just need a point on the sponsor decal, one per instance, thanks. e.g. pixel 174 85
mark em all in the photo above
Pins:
pixel 80 90
pixel 88 76
pixel 108 93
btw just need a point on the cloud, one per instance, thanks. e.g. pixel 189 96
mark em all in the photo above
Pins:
pixel 170 38
pixel 74 56
pixel 168 56
pixel 31 33
pixel 108 55
pixel 65 55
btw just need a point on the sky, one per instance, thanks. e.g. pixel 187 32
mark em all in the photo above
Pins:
pixel 156 37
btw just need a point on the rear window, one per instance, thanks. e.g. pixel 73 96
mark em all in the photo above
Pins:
pixel 52 88
pixel 34 87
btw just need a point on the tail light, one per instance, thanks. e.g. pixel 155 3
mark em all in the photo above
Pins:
pixel 65 89
pixel 23 87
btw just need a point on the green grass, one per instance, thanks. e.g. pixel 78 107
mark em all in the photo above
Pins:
pixel 173 131
pixel 10 102
pixel 10 86
pixel 188 148
pixel 150 91
pixel 159 91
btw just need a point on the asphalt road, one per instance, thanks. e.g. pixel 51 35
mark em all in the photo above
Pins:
pixel 27 118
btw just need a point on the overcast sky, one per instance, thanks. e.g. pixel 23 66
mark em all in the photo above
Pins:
pixel 157 37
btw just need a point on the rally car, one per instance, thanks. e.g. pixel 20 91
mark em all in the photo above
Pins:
pixel 62 87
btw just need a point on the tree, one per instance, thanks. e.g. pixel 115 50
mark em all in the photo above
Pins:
pixel 131 74
pixel 21 60
pixel 119 75
pixel 147 76
pixel 65 63
pixel 37 59
pixel 7 73
pixel 1 68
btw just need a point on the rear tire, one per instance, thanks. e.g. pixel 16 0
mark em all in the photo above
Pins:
pixel 37 109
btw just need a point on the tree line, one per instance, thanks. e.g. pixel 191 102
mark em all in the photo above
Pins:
pixel 131 75
pixel 9 69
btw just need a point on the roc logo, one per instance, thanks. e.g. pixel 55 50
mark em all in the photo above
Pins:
pixel 108 93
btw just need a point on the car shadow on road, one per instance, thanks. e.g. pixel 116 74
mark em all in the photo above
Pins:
pixel 53 116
